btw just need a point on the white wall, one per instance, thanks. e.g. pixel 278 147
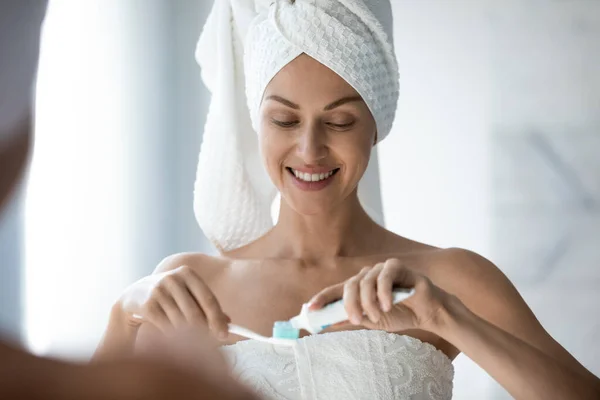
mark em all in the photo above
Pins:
pixel 546 164
pixel 115 128
pixel 435 164
pixel 495 149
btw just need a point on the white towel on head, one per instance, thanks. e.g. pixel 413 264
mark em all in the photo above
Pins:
pixel 244 43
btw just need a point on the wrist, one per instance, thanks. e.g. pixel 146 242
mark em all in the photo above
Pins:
pixel 448 318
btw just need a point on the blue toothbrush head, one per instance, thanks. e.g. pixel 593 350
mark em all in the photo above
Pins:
pixel 285 330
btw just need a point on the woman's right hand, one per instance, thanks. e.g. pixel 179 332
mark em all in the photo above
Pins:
pixel 174 298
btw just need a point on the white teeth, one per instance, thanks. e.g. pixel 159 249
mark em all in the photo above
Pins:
pixel 305 176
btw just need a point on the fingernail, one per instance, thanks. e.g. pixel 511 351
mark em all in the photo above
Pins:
pixel 386 307
pixel 355 319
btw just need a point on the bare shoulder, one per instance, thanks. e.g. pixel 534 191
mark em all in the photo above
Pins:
pixel 467 274
pixel 437 263
pixel 206 265
pixel 459 271
pixel 456 260
pixel 474 279
pixel 485 290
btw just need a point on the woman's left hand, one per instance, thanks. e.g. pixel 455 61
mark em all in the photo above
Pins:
pixel 367 298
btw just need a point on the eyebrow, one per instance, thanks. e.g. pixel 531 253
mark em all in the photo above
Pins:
pixel 328 107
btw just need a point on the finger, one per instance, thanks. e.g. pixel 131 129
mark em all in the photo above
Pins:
pixel 162 295
pixel 368 293
pixel 339 324
pixel 394 273
pixel 351 297
pixel 405 277
pixel 216 318
pixel 326 296
pixel 191 310
pixel 352 300
pixel 153 313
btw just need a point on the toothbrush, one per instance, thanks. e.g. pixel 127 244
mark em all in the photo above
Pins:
pixel 317 320
pixel 250 334
pixel 286 332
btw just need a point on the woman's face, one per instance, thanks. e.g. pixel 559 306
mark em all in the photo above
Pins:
pixel 316 135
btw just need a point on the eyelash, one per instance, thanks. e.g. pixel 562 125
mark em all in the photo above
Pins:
pixel 348 125
pixel 282 124
pixel 291 124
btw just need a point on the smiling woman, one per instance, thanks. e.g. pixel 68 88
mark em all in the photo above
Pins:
pixel 300 60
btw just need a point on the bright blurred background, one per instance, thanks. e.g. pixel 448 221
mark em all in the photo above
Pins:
pixel 496 149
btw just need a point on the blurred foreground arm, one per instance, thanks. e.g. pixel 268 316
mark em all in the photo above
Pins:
pixel 24 376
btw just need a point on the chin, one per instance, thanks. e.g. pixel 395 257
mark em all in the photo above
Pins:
pixel 305 205
pixel 312 212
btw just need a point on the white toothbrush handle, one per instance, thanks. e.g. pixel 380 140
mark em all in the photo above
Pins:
pixel 247 333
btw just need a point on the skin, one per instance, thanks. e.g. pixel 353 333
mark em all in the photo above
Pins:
pixel 325 247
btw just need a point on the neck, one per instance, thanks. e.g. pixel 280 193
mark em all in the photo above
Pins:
pixel 346 231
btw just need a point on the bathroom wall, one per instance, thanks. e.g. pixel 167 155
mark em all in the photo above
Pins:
pixel 120 112
pixel 546 164
pixel 496 148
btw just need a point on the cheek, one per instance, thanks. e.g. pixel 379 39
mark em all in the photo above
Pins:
pixel 365 147
pixel 356 165
pixel 361 163
pixel 272 150
pixel 356 153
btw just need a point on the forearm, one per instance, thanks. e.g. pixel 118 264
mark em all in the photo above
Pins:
pixel 118 340
pixel 524 371
pixel 25 376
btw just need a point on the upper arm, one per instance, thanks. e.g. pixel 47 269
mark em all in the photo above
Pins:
pixel 487 292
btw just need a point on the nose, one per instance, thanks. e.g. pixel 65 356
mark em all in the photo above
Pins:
pixel 312 145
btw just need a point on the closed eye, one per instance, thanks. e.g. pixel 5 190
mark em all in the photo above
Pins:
pixel 341 126
pixel 284 124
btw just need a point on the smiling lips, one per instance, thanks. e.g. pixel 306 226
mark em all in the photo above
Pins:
pixel 312 181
